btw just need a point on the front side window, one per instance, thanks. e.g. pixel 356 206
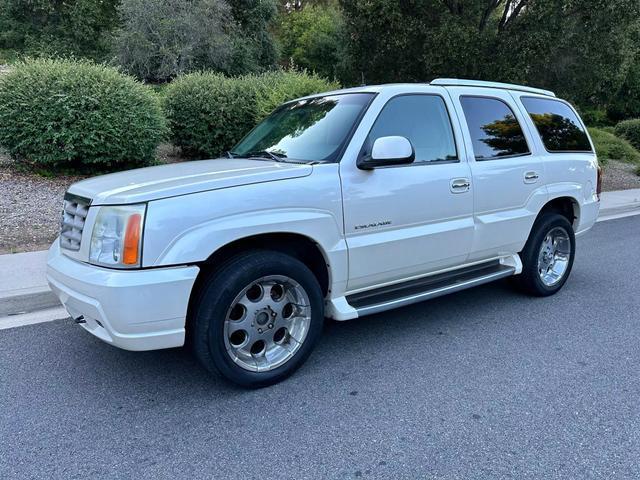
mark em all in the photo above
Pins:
pixel 557 124
pixel 423 120
pixel 311 130
pixel 494 128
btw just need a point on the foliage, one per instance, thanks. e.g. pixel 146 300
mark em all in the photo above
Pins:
pixel 209 113
pixel 596 117
pixel 275 88
pixel 160 39
pixel 54 27
pixel 625 103
pixel 314 38
pixel 563 45
pixel 254 45
pixel 68 115
pixel 630 131
pixel 610 147
pixel 505 136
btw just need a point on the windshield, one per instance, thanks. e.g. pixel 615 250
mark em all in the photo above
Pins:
pixel 311 130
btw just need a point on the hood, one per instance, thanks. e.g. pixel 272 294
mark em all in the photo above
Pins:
pixel 153 183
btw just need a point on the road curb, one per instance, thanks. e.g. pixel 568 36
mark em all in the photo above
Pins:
pixel 27 303
pixel 625 208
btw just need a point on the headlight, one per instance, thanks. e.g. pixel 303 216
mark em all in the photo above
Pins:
pixel 116 240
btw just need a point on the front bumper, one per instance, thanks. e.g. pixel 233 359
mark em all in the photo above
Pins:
pixel 130 309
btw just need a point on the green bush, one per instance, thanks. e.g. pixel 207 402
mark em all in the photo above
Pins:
pixel 610 147
pixel 596 117
pixel 66 115
pixel 209 113
pixel 275 88
pixel 629 130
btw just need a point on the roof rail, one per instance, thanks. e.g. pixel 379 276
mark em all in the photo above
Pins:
pixel 458 82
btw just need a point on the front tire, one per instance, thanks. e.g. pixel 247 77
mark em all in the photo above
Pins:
pixel 258 318
pixel 548 255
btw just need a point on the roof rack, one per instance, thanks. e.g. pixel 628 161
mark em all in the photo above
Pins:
pixel 459 82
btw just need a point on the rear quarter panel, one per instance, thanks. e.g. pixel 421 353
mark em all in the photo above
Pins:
pixel 568 174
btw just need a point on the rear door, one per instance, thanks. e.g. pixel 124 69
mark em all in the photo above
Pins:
pixel 508 172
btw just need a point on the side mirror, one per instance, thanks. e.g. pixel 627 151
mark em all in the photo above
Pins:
pixel 388 151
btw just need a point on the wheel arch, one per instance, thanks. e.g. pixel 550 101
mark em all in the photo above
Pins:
pixel 566 205
pixel 299 246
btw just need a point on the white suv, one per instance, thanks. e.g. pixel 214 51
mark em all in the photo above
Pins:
pixel 337 205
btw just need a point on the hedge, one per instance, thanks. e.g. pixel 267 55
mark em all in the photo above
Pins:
pixel 77 115
pixel 209 113
pixel 629 130
pixel 610 147
pixel 276 88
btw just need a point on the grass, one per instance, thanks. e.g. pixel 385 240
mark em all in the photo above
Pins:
pixel 610 147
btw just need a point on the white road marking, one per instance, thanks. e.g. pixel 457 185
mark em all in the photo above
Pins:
pixel 32 318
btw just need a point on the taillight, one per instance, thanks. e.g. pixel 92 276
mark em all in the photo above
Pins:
pixel 599 182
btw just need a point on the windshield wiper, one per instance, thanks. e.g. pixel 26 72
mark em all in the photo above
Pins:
pixel 230 154
pixel 278 157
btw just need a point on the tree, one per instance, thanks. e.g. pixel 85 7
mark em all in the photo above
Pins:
pixel 505 136
pixel 57 27
pixel 565 45
pixel 254 45
pixel 580 49
pixel 160 39
pixel 313 38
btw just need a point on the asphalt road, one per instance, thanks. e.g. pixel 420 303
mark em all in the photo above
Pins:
pixel 485 383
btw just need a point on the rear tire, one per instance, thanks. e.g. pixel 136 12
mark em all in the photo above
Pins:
pixel 547 257
pixel 258 318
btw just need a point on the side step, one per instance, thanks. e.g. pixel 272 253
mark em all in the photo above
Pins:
pixel 413 291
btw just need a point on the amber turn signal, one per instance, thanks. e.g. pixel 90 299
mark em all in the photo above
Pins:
pixel 132 240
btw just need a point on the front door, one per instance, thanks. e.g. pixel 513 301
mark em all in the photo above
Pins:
pixel 406 221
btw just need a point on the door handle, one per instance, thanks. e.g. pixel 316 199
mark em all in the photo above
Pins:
pixel 531 177
pixel 460 185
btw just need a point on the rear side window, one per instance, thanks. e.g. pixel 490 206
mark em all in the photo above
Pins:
pixel 494 128
pixel 421 118
pixel 557 124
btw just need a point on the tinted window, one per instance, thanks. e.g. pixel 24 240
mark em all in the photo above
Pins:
pixel 424 120
pixel 307 130
pixel 494 128
pixel 557 124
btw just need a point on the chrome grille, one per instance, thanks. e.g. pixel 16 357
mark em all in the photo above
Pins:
pixel 74 213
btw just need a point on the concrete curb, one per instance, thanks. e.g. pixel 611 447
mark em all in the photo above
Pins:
pixel 23 284
pixel 619 204
pixel 27 303
pixel 24 289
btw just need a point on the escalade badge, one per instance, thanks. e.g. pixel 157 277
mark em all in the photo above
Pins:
pixel 373 225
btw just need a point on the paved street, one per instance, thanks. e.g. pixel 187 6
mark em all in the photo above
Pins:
pixel 482 384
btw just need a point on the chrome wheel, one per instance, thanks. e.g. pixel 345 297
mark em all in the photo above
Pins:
pixel 267 323
pixel 554 255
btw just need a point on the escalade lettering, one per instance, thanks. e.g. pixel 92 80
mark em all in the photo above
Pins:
pixel 373 225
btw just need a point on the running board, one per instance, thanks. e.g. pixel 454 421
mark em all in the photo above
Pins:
pixel 406 293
